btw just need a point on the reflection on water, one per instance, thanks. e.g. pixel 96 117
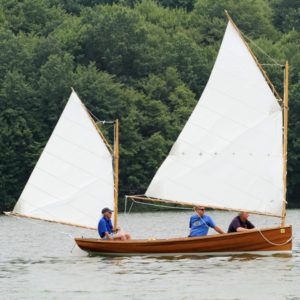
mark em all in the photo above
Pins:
pixel 36 262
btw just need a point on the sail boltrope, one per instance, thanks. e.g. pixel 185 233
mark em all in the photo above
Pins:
pixel 73 178
pixel 229 154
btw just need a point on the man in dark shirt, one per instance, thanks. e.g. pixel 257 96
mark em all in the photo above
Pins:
pixel 240 223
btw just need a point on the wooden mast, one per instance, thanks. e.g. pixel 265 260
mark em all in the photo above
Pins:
pixel 116 158
pixel 286 107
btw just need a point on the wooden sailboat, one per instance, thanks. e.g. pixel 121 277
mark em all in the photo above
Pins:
pixel 231 155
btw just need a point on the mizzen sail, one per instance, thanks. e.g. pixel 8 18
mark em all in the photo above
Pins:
pixel 229 154
pixel 73 178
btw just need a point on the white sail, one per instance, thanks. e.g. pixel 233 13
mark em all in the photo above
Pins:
pixel 73 178
pixel 229 154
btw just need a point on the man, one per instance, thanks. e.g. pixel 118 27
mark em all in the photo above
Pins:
pixel 106 229
pixel 240 223
pixel 200 223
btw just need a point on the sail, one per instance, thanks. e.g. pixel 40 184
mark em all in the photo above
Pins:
pixel 73 178
pixel 229 154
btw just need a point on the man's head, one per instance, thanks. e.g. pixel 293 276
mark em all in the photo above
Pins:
pixel 200 210
pixel 243 216
pixel 107 212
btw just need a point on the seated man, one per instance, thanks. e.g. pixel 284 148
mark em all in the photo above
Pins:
pixel 240 223
pixel 200 223
pixel 106 229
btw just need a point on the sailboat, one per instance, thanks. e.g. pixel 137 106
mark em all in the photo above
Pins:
pixel 74 178
pixel 230 155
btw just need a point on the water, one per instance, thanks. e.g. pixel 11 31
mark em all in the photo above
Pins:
pixel 36 263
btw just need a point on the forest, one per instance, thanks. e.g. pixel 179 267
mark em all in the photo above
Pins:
pixel 144 62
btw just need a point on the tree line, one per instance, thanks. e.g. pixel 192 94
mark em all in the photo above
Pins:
pixel 144 62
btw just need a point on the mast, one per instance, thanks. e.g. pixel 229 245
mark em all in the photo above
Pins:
pixel 116 158
pixel 285 139
pixel 285 107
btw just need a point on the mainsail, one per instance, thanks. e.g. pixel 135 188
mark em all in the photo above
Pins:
pixel 73 178
pixel 229 154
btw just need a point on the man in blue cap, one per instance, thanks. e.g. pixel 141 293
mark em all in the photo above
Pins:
pixel 106 229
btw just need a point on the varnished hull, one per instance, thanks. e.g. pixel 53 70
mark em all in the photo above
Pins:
pixel 240 242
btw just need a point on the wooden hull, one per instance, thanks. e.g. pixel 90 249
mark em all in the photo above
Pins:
pixel 265 241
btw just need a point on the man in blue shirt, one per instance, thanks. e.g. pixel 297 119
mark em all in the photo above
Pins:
pixel 106 229
pixel 200 223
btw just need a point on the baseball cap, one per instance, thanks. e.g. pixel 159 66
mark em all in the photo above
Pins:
pixel 106 209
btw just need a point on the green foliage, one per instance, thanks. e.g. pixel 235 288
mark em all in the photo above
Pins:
pixel 18 155
pixel 144 62
pixel 286 14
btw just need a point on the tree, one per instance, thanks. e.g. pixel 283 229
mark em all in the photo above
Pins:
pixel 54 87
pixel 18 155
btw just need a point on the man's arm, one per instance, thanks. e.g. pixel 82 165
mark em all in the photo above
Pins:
pixel 218 229
pixel 108 235
pixel 241 229
pixel 116 230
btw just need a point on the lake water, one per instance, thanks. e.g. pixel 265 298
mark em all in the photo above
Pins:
pixel 36 262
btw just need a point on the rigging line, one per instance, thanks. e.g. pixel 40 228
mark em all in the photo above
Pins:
pixel 130 207
pixel 115 139
pixel 160 205
pixel 274 244
pixel 98 120
pixel 272 65
pixel 125 207
pixel 114 156
pixel 73 247
pixel 204 222
pixel 261 49
pixel 126 216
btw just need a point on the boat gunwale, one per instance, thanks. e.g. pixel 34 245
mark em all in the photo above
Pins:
pixel 141 241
